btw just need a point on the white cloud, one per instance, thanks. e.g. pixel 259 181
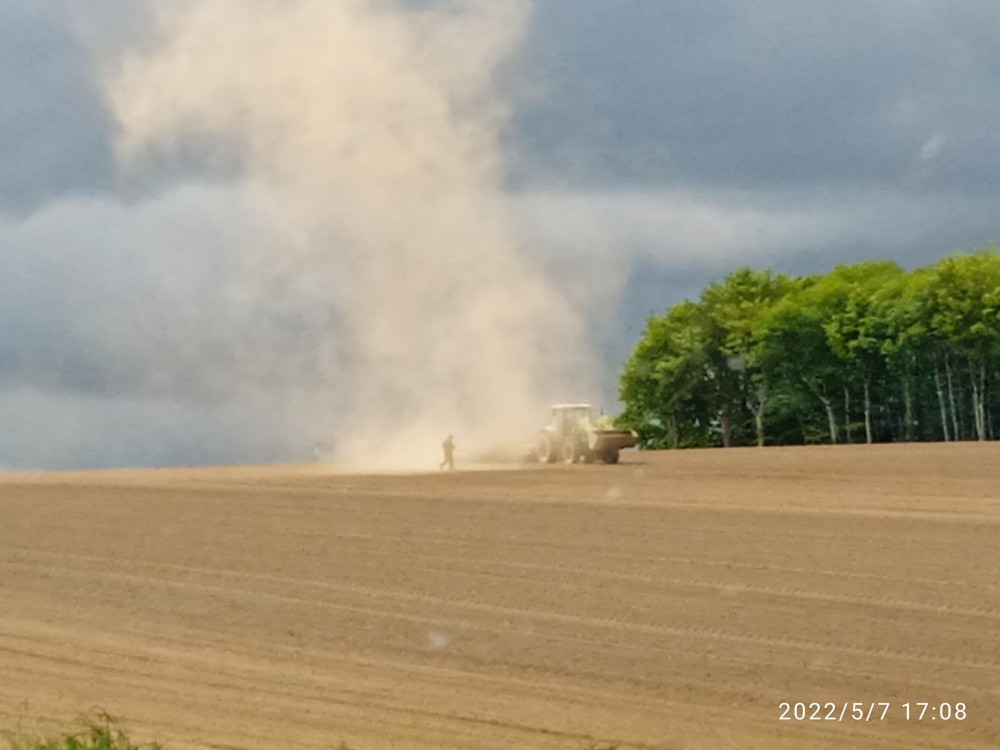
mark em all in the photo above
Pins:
pixel 716 232
pixel 672 227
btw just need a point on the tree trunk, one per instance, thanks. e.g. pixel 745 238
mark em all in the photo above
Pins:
pixel 907 411
pixel 989 412
pixel 944 408
pixel 847 414
pixel 727 430
pixel 982 399
pixel 868 414
pixel 758 412
pixel 827 405
pixel 975 403
pixel 978 405
pixel 951 400
pixel 831 418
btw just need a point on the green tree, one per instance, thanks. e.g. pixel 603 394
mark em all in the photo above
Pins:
pixel 662 385
pixel 907 348
pixel 961 304
pixel 733 313
pixel 797 350
pixel 765 358
pixel 856 328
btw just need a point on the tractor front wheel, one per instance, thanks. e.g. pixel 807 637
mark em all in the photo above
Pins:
pixel 544 451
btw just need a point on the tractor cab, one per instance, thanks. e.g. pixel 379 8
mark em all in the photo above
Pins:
pixel 570 418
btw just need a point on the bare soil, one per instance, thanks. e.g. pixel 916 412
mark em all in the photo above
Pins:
pixel 672 601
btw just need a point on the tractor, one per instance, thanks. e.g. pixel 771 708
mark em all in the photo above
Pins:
pixel 575 436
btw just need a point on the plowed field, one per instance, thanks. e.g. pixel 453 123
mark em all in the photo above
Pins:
pixel 672 601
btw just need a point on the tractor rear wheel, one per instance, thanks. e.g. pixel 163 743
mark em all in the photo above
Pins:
pixel 569 452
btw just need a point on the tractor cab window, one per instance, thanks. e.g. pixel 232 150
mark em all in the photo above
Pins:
pixel 570 418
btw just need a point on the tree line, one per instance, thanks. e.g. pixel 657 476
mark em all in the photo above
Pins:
pixel 866 353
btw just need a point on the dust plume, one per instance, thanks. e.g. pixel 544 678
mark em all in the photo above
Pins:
pixel 366 139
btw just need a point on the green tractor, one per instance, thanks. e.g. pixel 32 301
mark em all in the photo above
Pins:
pixel 574 435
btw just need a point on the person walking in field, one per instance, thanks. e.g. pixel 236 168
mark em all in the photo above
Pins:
pixel 448 446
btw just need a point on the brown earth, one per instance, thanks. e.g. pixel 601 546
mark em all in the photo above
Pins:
pixel 673 601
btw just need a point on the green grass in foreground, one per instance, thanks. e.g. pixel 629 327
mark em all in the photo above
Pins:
pixel 102 733
pixel 105 733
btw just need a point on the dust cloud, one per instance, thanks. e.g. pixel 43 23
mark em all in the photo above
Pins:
pixel 366 140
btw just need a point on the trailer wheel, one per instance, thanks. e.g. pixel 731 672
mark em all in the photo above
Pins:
pixel 611 457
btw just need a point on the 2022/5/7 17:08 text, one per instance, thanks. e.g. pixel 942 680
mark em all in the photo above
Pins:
pixel 872 711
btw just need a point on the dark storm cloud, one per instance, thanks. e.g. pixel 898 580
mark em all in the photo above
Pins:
pixel 765 94
pixel 126 337
pixel 149 300
pixel 55 135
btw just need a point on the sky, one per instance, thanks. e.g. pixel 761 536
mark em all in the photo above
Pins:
pixel 210 218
